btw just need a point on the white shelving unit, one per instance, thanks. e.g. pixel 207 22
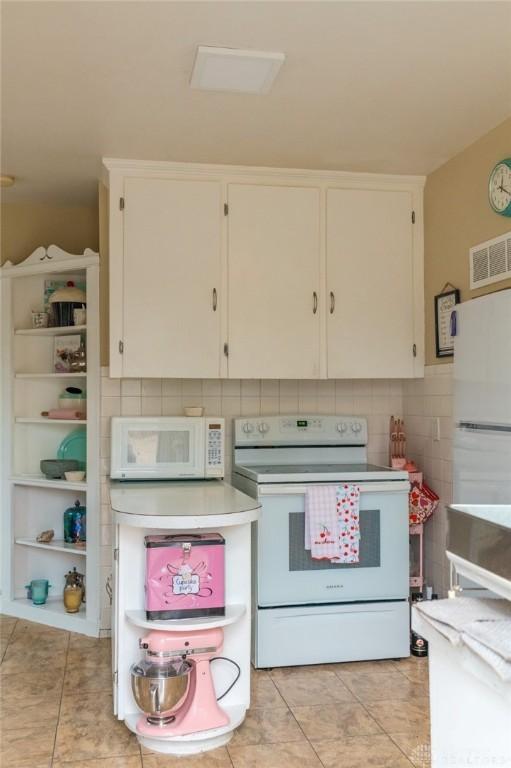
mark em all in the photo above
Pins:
pixel 230 513
pixel 62 330
pixel 58 545
pixel 193 743
pixel 43 420
pixel 39 481
pixel 50 376
pixel 232 614
pixel 30 502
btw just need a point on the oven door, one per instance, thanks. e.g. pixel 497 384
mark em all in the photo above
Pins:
pixel 286 573
pixel 157 448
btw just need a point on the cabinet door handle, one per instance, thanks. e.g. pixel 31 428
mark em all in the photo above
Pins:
pixel 332 302
pixel 314 302
pixel 215 300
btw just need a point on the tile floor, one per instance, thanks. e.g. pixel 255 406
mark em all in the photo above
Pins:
pixel 56 710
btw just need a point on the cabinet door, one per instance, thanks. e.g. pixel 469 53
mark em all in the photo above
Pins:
pixel 370 321
pixel 171 325
pixel 273 282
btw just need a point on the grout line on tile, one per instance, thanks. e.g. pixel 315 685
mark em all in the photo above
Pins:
pixel 229 754
pixel 61 697
pixel 314 750
pixel 8 640
pixel 300 727
pixel 359 700
pixel 401 749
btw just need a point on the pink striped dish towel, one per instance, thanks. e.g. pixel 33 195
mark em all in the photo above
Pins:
pixel 321 522
pixel 332 522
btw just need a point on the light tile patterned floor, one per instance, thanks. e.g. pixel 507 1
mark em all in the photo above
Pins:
pixel 56 710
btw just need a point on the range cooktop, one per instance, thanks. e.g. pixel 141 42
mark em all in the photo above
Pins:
pixel 303 473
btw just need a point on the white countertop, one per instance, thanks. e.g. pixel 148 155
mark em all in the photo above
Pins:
pixel 499 514
pixel 181 503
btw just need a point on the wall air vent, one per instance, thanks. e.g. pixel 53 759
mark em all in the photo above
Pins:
pixel 490 262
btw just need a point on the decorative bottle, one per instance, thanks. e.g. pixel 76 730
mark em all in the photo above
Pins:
pixel 79 524
pixel 68 523
pixel 74 523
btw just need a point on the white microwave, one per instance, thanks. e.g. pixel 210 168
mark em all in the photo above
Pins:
pixel 167 447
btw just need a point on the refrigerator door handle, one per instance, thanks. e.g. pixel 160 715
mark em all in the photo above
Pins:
pixel 472 426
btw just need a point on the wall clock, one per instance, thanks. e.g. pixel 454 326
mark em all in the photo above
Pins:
pixel 499 188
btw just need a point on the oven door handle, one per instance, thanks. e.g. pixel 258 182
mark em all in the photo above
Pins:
pixel 392 486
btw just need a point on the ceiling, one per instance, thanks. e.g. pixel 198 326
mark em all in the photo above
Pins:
pixel 366 86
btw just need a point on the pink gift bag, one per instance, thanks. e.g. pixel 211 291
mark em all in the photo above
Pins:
pixel 185 576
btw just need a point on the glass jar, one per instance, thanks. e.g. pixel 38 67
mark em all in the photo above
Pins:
pixel 79 524
pixel 74 523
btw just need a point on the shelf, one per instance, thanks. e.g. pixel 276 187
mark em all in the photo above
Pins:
pixel 56 545
pixel 39 481
pixel 235 712
pixel 53 614
pixel 52 605
pixel 54 331
pixel 50 375
pixel 43 420
pixel 232 613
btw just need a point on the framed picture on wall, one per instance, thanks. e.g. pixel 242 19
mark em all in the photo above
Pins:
pixel 445 320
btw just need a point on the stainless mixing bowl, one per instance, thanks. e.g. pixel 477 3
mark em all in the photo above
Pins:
pixel 159 686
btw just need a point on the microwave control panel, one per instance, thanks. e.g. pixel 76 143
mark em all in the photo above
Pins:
pixel 215 437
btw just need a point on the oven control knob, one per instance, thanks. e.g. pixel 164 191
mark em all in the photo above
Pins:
pixel 263 427
pixel 342 427
pixel 248 427
pixel 356 427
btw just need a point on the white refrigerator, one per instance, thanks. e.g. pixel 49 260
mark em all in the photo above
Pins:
pixel 482 401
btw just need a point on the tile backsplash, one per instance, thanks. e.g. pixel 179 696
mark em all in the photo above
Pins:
pixel 425 404
pixel 428 408
pixel 377 399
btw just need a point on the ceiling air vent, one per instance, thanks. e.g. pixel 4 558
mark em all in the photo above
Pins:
pixel 490 262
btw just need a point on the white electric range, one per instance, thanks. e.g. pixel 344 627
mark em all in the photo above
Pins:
pixel 308 611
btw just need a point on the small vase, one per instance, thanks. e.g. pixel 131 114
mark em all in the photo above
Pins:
pixel 39 591
pixel 73 598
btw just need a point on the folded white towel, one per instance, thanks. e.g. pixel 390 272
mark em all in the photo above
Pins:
pixel 496 635
pixel 482 625
pixel 461 611
pixel 496 662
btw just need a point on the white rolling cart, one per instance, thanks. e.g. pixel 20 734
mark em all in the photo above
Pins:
pixel 142 509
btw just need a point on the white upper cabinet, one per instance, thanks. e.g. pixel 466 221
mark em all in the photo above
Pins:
pixel 370 284
pixel 273 281
pixel 255 273
pixel 171 282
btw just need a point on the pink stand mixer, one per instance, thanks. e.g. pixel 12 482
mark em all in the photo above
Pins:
pixel 173 684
